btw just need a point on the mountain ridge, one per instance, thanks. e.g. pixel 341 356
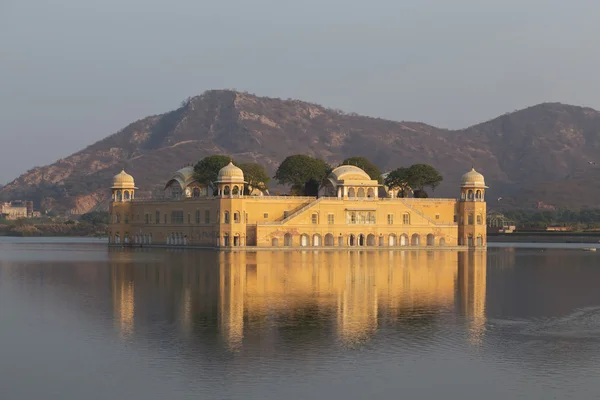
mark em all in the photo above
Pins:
pixel 527 155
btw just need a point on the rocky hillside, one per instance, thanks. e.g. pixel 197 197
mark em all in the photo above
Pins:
pixel 542 153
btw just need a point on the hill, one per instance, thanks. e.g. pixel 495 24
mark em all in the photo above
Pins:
pixel 537 154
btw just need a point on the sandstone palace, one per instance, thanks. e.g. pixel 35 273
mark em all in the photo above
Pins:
pixel 351 211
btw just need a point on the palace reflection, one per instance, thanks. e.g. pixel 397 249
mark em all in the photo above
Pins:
pixel 241 296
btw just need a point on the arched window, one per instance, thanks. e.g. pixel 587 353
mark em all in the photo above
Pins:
pixel 415 240
pixel 317 240
pixel 274 242
pixel 470 219
pixel 287 239
pixel 371 193
pixel 236 217
pixel 304 240
pixel 119 195
pixel 371 240
pixel 226 217
pixel 404 240
pixel 150 238
pixel 351 240
pixel 479 219
pixel 235 191
pixel 430 239
pixel 470 195
pixel 361 193
pixel 442 242
pixel 226 191
pixel 392 240
pixel 406 219
pixel 126 195
pixel 479 240
pixel 478 195
pixel 196 192
pixel 329 239
pixel 351 193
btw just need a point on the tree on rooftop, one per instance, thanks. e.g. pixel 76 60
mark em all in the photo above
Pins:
pixel 366 165
pixel 398 179
pixel 303 173
pixel 421 176
pixel 255 176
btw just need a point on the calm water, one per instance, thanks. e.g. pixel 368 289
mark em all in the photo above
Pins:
pixel 79 321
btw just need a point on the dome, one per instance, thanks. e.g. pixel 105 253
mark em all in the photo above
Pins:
pixel 184 177
pixel 231 173
pixel 472 178
pixel 123 181
pixel 349 172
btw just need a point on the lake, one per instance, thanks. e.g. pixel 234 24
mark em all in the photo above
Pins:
pixel 81 321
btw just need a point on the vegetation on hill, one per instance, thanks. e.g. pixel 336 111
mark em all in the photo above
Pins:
pixel 588 218
pixel 366 165
pixel 542 153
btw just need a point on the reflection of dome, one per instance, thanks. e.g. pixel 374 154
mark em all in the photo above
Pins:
pixel 348 172
pixel 231 173
pixel 123 181
pixel 472 178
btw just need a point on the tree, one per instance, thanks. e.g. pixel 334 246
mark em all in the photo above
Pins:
pixel 206 171
pixel 421 176
pixel 398 179
pixel 255 176
pixel 361 162
pixel 303 173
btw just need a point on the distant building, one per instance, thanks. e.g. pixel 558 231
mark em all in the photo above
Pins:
pixel 16 209
pixel 498 223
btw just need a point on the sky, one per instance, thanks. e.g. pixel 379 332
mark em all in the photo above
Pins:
pixel 73 71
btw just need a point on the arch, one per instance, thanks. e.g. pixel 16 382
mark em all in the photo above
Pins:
pixel 196 192
pixel 236 190
pixel 479 219
pixel 341 241
pixel 371 193
pixel 470 194
pixel 371 240
pixel 478 195
pixel 392 240
pixel 226 191
pixel 479 240
pixel 430 239
pixel 118 218
pixel 119 195
pixel 351 193
pixel 236 240
pixel 149 238
pixel 226 217
pixel 287 239
pixel 351 240
pixel 442 242
pixel 381 241
pixel 404 239
pixel 117 238
pixel 360 193
pixel 275 242
pixel 126 195
pixel 415 240
pixel 236 217
pixel 304 240
pixel 185 239
pixel 317 242
pixel 329 239
pixel 463 195
pixel 470 241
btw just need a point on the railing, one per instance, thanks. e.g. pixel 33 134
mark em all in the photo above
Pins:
pixel 297 212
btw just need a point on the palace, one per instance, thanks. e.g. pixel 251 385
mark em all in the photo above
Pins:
pixel 350 211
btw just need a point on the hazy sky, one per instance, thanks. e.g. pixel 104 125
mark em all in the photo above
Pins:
pixel 75 71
